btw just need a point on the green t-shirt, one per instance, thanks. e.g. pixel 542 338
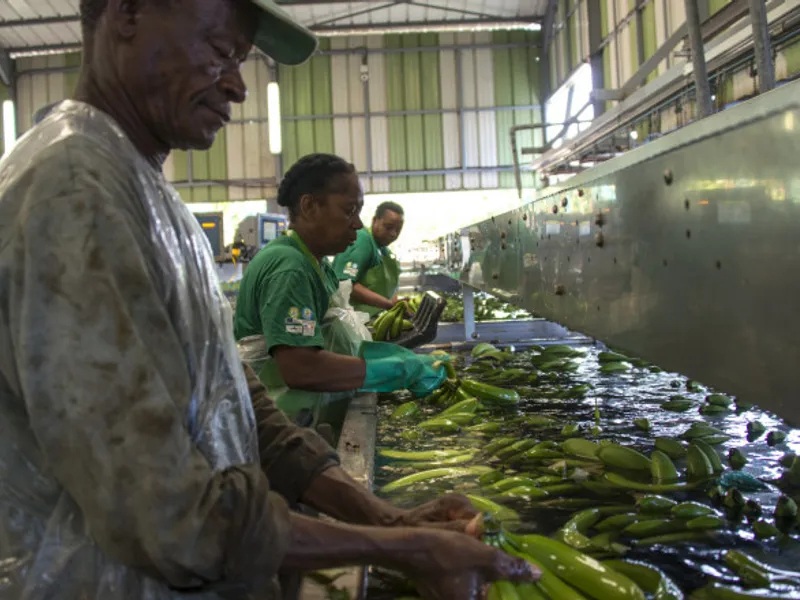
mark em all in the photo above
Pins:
pixel 359 258
pixel 283 298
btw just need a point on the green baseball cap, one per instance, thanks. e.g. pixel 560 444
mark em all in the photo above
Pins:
pixel 281 37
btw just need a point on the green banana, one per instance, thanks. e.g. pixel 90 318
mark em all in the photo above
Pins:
pixel 445 462
pixel 775 437
pixel 651 579
pixel 717 591
pixel 512 482
pixel 487 427
pixel 711 454
pixel 674 538
pixel 719 400
pixel 573 533
pixel 580 447
pixel 697 464
pixel 493 447
pixel 614 455
pixel 764 529
pixel 489 393
pixel 470 405
pixel 676 405
pixel 755 429
pixel 614 367
pixel 583 572
pixel 691 510
pixel 701 430
pixel 642 424
pixel 440 425
pixel 610 357
pixel 672 448
pixel 736 459
pixel 420 456
pixel 656 488
pixel 661 468
pixel 440 473
pixel 570 429
pixel 654 504
pixel 498 511
pixel 409 410
pixel 515 448
pixel 715 439
pixel 549 583
pixel 706 522
pixel 525 492
pixel 653 527
pixel 503 590
pixel 712 409
pixel 618 522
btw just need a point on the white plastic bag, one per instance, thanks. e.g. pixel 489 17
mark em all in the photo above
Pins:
pixel 344 328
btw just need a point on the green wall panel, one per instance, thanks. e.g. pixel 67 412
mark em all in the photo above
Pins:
pixel 792 55
pixel 649 35
pixel 716 5
pixel 432 124
pixel 306 92
pixel 395 100
pixel 633 33
pixel 516 83
pixel 412 96
pixel 71 77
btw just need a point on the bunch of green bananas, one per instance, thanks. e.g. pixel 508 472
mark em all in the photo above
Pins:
pixel 391 323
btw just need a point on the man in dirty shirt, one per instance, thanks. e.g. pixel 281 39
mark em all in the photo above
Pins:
pixel 138 460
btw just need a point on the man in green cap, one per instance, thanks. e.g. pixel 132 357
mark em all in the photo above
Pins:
pixel 369 263
pixel 140 461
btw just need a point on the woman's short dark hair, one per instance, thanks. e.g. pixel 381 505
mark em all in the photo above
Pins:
pixel 312 174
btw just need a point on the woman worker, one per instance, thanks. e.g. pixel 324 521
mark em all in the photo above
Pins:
pixel 285 293
pixel 369 263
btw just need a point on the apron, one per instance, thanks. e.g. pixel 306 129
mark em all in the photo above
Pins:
pixel 307 409
pixel 382 279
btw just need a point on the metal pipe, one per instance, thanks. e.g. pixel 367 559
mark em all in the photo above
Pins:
pixel 460 111
pixel 702 85
pixel 515 154
pixel 469 312
pixel 367 116
pixel 515 24
pixel 761 43
pixel 45 50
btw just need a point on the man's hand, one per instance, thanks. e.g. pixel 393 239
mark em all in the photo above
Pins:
pixel 457 567
pixel 453 512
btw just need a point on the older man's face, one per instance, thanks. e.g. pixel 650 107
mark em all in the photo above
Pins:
pixel 181 66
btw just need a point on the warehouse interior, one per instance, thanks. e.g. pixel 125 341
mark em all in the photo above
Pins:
pixel 606 193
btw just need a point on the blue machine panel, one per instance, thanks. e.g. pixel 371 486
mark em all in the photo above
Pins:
pixel 270 226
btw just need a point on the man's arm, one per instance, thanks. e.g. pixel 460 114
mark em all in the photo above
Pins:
pixel 362 294
pixel 105 385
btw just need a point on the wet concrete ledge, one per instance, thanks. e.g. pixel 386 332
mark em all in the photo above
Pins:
pixel 357 453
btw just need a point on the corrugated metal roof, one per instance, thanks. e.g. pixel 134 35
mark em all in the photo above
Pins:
pixel 40 24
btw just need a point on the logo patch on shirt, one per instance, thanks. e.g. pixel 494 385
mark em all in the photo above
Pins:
pixel 308 328
pixel 295 329
pixel 308 314
pixel 294 312
pixel 351 269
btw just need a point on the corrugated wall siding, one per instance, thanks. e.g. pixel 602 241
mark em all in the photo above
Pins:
pixel 414 113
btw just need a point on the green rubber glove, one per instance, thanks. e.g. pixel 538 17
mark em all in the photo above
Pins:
pixel 391 367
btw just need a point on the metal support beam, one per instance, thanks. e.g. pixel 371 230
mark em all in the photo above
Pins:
pixel 6 68
pixel 547 25
pixel 603 95
pixel 652 63
pixel 702 85
pixel 469 312
pixel 595 53
pixel 761 43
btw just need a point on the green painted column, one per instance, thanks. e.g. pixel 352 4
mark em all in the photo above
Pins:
pixel 395 100
pixel 432 100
